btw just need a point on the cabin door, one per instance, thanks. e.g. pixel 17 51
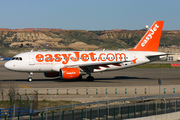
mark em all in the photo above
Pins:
pixel 31 59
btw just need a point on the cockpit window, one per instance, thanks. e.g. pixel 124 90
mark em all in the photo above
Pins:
pixel 17 58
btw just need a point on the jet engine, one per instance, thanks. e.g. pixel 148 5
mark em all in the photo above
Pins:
pixel 69 73
pixel 51 74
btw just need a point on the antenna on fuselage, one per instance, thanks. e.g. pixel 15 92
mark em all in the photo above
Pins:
pixel 32 50
pixel 104 49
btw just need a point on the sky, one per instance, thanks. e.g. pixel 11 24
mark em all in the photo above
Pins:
pixel 89 14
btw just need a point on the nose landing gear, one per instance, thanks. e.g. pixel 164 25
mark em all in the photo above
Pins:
pixel 30 76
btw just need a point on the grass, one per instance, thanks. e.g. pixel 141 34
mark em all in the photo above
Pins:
pixel 10 52
pixel 4 104
pixel 42 104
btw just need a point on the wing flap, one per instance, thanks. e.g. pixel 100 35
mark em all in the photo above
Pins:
pixel 56 67
pixel 101 63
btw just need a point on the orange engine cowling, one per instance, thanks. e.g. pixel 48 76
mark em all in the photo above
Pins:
pixel 69 73
pixel 51 74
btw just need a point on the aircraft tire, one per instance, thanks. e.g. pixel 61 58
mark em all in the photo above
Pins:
pixel 90 78
pixel 30 79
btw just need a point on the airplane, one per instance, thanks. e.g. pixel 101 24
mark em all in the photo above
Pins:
pixel 75 64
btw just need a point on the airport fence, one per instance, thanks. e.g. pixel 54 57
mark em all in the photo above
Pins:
pixel 98 91
pixel 12 112
pixel 19 105
pixel 24 100
pixel 114 112
pixel 110 109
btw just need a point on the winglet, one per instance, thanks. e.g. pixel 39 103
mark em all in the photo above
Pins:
pixel 150 41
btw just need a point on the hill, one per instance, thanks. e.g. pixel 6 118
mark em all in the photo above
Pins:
pixel 24 40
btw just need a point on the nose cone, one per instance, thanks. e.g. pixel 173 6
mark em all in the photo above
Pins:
pixel 8 65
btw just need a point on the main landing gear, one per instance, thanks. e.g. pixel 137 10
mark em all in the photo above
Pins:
pixel 30 76
pixel 88 70
pixel 90 78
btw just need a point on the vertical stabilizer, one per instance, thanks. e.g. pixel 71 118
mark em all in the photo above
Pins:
pixel 150 41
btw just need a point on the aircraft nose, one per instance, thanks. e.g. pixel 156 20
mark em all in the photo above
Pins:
pixel 8 65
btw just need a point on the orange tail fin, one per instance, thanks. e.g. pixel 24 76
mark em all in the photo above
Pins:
pixel 150 41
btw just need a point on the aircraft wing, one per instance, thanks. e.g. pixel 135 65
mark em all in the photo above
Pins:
pixel 56 67
pixel 98 63
pixel 98 66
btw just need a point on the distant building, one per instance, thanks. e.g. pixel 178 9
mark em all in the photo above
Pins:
pixel 41 28
pixel 4 29
pixel 52 28
pixel 117 29
pixel 20 29
pixel 30 28
pixel 174 57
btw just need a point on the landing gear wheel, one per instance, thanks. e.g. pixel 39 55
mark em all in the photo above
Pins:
pixel 30 76
pixel 79 78
pixel 30 79
pixel 90 78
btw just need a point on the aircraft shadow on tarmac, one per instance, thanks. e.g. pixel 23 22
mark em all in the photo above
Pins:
pixel 83 80
pixel 120 78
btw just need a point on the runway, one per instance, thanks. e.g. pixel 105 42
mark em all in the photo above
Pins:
pixel 126 77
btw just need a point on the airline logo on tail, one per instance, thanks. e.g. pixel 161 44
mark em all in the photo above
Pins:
pixel 150 41
pixel 150 35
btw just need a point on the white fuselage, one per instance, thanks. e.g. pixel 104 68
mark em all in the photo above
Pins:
pixel 49 61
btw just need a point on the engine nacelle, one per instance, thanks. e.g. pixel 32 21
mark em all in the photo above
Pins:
pixel 69 73
pixel 51 74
